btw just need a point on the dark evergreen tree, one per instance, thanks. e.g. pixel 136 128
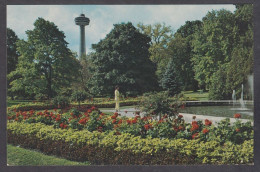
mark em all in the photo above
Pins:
pixel 12 53
pixel 12 56
pixel 171 79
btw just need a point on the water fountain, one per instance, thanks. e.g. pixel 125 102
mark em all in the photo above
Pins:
pixel 234 97
pixel 241 100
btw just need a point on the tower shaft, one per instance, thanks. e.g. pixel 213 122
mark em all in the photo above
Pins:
pixel 82 49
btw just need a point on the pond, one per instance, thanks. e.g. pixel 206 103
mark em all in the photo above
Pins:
pixel 221 111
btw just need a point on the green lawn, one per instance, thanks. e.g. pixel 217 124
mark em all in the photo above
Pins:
pixel 25 157
pixel 199 95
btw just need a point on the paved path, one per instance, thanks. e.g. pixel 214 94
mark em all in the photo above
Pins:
pixel 130 112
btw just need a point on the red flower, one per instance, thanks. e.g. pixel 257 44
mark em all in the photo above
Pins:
pixel 9 118
pixel 58 118
pixel 16 119
pixel 208 122
pixel 61 125
pixel 83 121
pixel 113 117
pixel 205 130
pixel 120 121
pixel 237 115
pixel 102 114
pixel 89 111
pixel 195 126
pixel 126 111
pixel 129 121
pixel 180 116
pixel 114 121
pixel 194 122
pixel 134 121
pixel 194 136
pixel 86 114
pixel 237 129
pixel 181 127
pixel 147 126
pixel 116 114
pixel 55 110
pixel 93 108
pixel 17 114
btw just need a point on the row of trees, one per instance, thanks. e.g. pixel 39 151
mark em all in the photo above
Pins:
pixel 215 53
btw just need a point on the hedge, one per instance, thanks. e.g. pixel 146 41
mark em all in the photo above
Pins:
pixel 125 149
pixel 24 107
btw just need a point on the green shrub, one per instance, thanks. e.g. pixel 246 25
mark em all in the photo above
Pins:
pixel 79 96
pixel 107 148
pixel 159 104
pixel 61 101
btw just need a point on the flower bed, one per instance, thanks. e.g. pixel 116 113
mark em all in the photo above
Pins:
pixel 172 128
pixel 108 148
pixel 112 139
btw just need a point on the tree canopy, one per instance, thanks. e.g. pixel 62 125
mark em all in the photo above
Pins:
pixel 122 59
pixel 45 64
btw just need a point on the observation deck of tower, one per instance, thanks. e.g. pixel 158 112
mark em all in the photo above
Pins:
pixel 82 21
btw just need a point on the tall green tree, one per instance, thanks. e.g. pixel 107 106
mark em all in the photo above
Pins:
pixel 180 51
pixel 160 35
pixel 234 71
pixel 171 80
pixel 12 56
pixel 46 64
pixel 122 58
pixel 12 53
pixel 213 45
pixel 242 58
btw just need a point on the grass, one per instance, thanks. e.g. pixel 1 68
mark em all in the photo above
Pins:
pixel 17 156
pixel 199 95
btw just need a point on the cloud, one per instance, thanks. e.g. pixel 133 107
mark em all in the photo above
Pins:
pixel 102 17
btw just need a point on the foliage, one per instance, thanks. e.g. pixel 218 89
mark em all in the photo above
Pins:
pixel 12 57
pixel 212 44
pixel 159 104
pixel 126 149
pixel 171 80
pixel 79 96
pixel 12 53
pixel 61 101
pixel 160 35
pixel 122 59
pixel 45 64
pixel 167 127
pixel 224 51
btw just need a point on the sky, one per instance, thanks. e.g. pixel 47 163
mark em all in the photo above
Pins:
pixel 102 17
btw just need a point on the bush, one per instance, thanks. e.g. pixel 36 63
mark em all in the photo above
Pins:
pixel 159 104
pixel 79 96
pixel 126 149
pixel 61 101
